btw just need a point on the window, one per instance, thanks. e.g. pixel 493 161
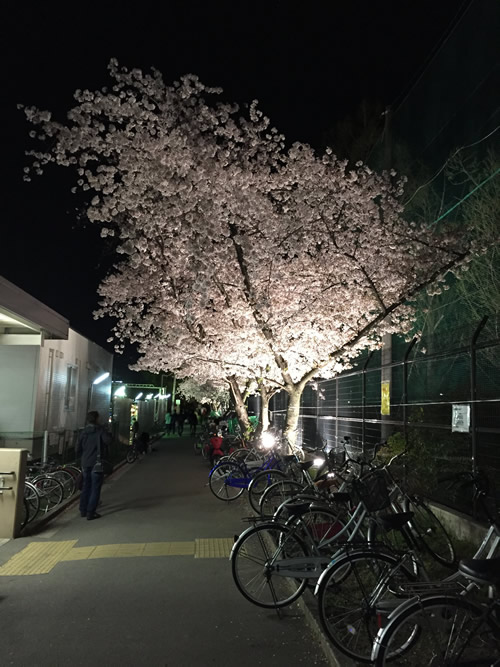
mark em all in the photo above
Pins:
pixel 70 393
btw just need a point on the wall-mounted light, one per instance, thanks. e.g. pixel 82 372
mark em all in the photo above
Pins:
pixel 121 391
pixel 157 396
pixel 149 396
pixel 138 396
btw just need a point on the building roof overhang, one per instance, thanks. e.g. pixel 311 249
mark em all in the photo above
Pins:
pixel 22 313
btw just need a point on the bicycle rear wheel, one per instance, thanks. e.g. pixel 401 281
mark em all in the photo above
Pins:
pixel 254 564
pixel 131 454
pixel 350 607
pixel 440 631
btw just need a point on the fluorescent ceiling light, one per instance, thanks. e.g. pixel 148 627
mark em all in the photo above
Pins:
pixel 149 396
pixel 101 378
pixel 138 396
pixel 121 391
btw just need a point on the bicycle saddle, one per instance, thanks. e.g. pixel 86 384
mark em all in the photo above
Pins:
pixel 485 571
pixel 395 521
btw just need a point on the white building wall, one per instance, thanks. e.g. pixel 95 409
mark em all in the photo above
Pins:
pixel 18 377
pixel 54 412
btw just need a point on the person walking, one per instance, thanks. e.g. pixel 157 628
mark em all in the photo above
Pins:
pixel 168 423
pixel 180 423
pixel 193 422
pixel 91 446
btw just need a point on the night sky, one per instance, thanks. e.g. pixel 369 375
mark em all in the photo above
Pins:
pixel 309 67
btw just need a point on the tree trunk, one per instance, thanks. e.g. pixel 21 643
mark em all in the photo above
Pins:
pixel 265 397
pixel 292 414
pixel 240 407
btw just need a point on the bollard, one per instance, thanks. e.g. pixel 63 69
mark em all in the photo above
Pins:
pixel 12 474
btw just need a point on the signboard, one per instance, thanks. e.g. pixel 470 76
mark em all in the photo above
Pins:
pixel 385 400
pixel 460 418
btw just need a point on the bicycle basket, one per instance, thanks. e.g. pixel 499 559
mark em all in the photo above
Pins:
pixel 372 491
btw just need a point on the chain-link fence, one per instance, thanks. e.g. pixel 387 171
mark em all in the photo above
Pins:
pixel 441 399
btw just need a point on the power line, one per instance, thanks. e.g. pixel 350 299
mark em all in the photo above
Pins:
pixel 432 55
pixel 443 166
pixel 480 185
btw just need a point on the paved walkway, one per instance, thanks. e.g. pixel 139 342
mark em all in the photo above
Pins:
pixel 148 584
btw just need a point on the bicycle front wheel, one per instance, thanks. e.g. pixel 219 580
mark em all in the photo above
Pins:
pixel 257 565
pixel 227 481
pixel 276 494
pixel 430 531
pixel 355 594
pixel 444 631
pixel 260 483
pixel 33 497
pixel 51 491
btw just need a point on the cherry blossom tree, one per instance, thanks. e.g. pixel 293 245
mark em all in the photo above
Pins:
pixel 241 256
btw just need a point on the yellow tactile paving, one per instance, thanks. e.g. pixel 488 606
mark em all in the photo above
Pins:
pixel 78 553
pixel 37 558
pixel 41 557
pixel 213 548
pixel 169 549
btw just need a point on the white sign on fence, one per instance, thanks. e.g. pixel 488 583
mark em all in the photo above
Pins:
pixel 460 418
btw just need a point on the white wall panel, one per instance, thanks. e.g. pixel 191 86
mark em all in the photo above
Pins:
pixel 18 372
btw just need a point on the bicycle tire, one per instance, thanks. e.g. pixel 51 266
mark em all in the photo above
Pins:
pixel 131 454
pixel 244 454
pixel 252 565
pixel 395 541
pixel 276 494
pixel 431 532
pixel 219 481
pixel 51 491
pixel 319 524
pixel 67 480
pixel 347 609
pixel 438 630
pixel 33 497
pixel 260 483
pixel 25 517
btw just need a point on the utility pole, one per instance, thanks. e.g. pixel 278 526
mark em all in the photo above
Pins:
pixel 386 356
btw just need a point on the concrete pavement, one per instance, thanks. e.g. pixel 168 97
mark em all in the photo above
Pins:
pixel 147 584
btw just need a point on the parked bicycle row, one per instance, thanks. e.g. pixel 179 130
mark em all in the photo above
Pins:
pixel 377 557
pixel 46 486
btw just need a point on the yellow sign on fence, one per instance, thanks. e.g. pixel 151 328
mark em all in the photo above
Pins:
pixel 385 400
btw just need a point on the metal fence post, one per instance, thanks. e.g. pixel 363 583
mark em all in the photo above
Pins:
pixel 45 452
pixel 363 401
pixel 405 389
pixel 473 391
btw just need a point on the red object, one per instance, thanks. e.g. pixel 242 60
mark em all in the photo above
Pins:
pixel 216 445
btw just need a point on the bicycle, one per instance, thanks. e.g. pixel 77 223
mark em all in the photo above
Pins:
pixel 445 628
pixel 352 615
pixel 357 557
pixel 229 479
pixel 445 607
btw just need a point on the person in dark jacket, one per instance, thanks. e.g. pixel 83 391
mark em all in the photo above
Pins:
pixel 93 439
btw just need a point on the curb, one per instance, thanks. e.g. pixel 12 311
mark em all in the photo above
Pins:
pixel 316 630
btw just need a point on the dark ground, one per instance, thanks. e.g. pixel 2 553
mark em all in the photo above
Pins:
pixel 159 611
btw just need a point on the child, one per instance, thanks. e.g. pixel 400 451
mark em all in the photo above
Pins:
pixel 215 445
